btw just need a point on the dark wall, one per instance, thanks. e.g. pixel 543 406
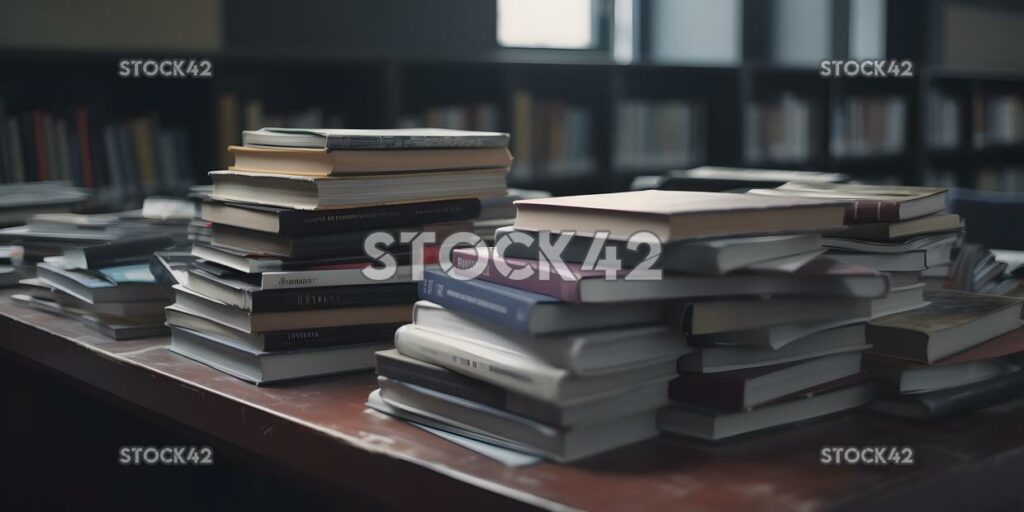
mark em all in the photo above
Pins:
pixel 386 26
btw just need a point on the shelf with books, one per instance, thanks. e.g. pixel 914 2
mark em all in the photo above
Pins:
pixel 560 130
pixel 455 96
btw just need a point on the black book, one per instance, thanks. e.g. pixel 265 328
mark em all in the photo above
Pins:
pixel 349 243
pixel 286 221
pixel 116 253
pixel 946 402
pixel 277 341
pixel 224 259
pixel 629 401
pixel 249 297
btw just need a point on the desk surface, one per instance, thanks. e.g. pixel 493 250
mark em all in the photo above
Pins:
pixel 321 429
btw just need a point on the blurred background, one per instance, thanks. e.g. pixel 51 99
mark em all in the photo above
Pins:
pixel 594 92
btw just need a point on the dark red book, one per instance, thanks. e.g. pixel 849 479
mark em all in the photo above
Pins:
pixel 39 134
pixel 82 125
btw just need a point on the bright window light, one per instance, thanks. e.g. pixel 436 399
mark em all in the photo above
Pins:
pixel 546 23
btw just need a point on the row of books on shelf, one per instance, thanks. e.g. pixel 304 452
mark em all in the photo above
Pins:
pixel 943 123
pixel 780 131
pixel 998 120
pixel 659 134
pixel 122 159
pixel 552 138
pixel 865 126
pixel 482 116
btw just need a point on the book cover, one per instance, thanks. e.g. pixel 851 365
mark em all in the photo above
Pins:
pixel 507 307
pixel 343 138
pixel 869 203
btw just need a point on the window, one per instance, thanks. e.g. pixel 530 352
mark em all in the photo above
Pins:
pixel 566 24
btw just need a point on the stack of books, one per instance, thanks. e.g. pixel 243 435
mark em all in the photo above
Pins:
pixel 960 353
pixel 50 234
pixel 291 285
pixel 108 287
pixel 903 232
pixel 582 353
pixel 19 201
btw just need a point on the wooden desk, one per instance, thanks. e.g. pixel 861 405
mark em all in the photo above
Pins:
pixel 322 429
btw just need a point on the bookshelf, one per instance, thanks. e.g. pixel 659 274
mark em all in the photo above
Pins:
pixel 575 101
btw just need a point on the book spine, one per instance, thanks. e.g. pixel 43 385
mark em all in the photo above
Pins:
pixel 477 301
pixel 363 219
pixel 873 211
pixel 552 285
pixel 415 142
pixel 297 339
pixel 492 366
pixel 39 136
pixel 442 380
pixel 332 297
pixel 317 278
pixel 709 389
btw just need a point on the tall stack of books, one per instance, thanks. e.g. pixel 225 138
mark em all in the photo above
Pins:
pixel 286 287
pixel 961 352
pixel 571 359
pixel 901 231
pixel 108 287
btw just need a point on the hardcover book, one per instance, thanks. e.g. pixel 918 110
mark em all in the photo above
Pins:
pixel 868 203
pixel 675 215
pixel 951 323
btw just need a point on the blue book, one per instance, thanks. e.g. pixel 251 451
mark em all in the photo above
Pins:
pixel 123 274
pixel 530 313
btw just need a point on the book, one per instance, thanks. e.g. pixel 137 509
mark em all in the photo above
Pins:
pixel 721 316
pixel 115 253
pixel 339 162
pixel 525 312
pixel 286 221
pixel 837 340
pixel 951 323
pixel 743 389
pixel 321 193
pixel 344 139
pixel 124 331
pixel 245 263
pixel 170 268
pixel 560 444
pixel 713 424
pixel 868 203
pixel 517 371
pixel 913 261
pixel 349 243
pixel 112 284
pixel 137 311
pixel 888 231
pixel 288 320
pixel 254 299
pixel 721 179
pixel 947 402
pixel 926 243
pixel 821 278
pixel 676 215
pixel 777 336
pixel 582 353
pixel 710 256
pixel 276 341
pixel 618 403
pixel 271 367
pixel 896 378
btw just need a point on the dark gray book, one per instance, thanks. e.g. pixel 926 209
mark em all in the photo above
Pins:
pixel 946 402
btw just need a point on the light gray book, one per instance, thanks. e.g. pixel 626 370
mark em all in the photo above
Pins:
pixel 345 138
